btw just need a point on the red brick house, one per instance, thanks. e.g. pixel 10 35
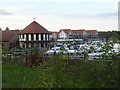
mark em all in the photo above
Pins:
pixel 68 33
pixel 34 35
pixel 79 33
pixel 10 38
pixel 92 33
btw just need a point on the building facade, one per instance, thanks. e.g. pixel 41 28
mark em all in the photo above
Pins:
pixel 71 35
pixel 65 33
pixel 10 39
pixel 53 37
pixel 34 35
pixel 74 34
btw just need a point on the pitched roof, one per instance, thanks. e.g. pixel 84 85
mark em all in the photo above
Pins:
pixel 7 35
pixel 91 31
pixel 65 30
pixel 34 27
pixel 78 31
pixel 51 33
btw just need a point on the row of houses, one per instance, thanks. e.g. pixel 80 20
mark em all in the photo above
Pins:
pixel 35 35
pixel 72 34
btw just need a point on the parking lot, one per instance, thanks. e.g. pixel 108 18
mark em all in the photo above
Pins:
pixel 93 51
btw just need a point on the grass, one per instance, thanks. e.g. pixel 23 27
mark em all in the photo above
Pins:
pixel 62 73
pixel 22 77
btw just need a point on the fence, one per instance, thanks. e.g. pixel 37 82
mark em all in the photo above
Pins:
pixel 24 58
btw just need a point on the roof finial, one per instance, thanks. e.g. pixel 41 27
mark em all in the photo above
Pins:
pixel 34 19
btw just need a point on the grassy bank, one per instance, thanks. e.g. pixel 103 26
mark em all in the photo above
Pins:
pixel 63 73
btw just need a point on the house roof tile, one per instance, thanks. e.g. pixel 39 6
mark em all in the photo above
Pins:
pixel 51 33
pixel 78 31
pixel 34 27
pixel 7 35
pixel 65 30
pixel 91 31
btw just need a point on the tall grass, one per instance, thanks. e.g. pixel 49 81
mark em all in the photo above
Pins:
pixel 63 73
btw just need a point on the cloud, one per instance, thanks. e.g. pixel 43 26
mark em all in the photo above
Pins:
pixel 107 15
pixel 5 12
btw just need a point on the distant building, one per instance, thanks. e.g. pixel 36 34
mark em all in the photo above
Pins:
pixel 10 38
pixel 34 35
pixel 53 37
pixel 65 33
pixel 79 33
pixel 92 33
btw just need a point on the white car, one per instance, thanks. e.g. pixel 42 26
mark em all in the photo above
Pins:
pixel 98 49
pixel 71 51
pixel 80 51
pixel 54 50
pixel 94 55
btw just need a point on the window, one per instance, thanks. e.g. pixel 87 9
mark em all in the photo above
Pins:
pixel 41 44
pixel 10 45
pixel 45 37
pixel 37 38
pixel 23 35
pixel 26 45
pixel 27 37
pixel 46 44
pixel 41 38
pixel 31 37
pixel 32 44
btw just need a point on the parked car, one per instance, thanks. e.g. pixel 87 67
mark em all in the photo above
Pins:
pixel 54 50
pixel 71 51
pixel 91 56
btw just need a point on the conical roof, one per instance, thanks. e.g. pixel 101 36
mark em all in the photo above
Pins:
pixel 34 27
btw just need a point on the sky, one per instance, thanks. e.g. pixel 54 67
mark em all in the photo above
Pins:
pixel 60 14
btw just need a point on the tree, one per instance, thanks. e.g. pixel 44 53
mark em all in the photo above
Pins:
pixel 114 36
pixel 7 28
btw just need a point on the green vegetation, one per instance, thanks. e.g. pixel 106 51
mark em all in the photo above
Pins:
pixel 63 73
pixel 60 72
pixel 110 35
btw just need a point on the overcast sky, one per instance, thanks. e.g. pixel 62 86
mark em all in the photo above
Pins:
pixel 60 14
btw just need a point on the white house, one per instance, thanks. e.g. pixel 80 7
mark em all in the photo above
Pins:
pixel 65 33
